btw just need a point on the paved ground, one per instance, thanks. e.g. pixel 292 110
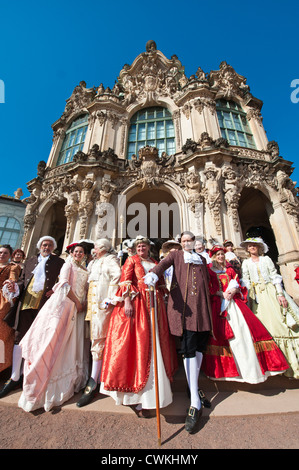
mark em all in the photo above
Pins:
pixel 245 419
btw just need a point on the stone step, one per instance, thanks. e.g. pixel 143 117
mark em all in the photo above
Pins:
pixel 277 394
pixel 223 404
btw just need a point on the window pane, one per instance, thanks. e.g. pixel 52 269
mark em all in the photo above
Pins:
pixel 13 239
pixel 3 221
pixel 250 141
pixel 72 138
pixel 242 139
pixel 160 130
pixel 5 238
pixel 67 156
pixel 220 119
pixel 232 138
pixel 237 122
pixel 151 130
pixel 141 132
pixel 140 145
pixel 12 223
pixel 79 136
pixel 161 146
pixel 227 120
pixel 169 129
pixel 170 147
pixel 245 123
pixel 132 132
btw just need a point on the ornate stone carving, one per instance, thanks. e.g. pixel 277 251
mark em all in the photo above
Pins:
pixel 149 170
pixel 41 168
pixel 273 149
pixel 228 81
pixel 86 204
pixel 193 187
pixel 150 76
pixel 212 194
pixel 104 209
pixel 288 195
pixel 255 113
pixel 232 194
pixel 80 98
pixel 189 147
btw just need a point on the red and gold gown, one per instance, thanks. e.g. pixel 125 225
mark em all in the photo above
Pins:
pixel 242 349
pixel 127 371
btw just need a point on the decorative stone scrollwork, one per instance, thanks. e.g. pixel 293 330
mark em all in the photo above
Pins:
pixel 229 83
pixel 104 209
pixel 80 98
pixel 193 187
pixel 212 194
pixel 86 204
pixel 149 170
pixel 232 194
pixel 273 149
pixel 288 195
pixel 189 146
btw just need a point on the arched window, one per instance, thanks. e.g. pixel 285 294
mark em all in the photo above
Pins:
pixel 233 124
pixel 10 230
pixel 73 140
pixel 154 127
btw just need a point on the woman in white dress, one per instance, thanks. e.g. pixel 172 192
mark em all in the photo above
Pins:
pixel 270 302
pixel 54 348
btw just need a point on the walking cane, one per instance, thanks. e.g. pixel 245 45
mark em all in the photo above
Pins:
pixel 152 304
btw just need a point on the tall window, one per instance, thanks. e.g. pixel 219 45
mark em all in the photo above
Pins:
pixel 154 127
pixel 233 124
pixel 74 140
pixel 10 230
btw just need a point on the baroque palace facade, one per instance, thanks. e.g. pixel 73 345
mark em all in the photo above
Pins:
pixel 158 146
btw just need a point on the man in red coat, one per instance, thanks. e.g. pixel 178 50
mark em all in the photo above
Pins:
pixel 189 313
pixel 39 275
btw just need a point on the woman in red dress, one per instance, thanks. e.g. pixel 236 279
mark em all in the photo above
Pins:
pixel 242 349
pixel 127 372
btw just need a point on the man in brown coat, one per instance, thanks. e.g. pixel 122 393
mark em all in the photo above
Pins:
pixel 189 313
pixel 39 275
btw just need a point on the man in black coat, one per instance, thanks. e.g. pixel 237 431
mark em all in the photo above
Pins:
pixel 39 275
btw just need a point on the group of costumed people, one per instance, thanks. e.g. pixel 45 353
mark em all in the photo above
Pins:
pixel 230 320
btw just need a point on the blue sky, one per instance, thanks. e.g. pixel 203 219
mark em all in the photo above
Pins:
pixel 47 48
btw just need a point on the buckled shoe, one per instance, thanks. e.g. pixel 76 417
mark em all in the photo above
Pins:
pixel 192 419
pixel 88 394
pixel 11 385
pixel 204 401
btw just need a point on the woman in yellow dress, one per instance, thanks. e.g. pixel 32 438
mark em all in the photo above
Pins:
pixel 271 303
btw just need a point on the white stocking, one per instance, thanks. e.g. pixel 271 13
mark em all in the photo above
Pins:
pixel 16 362
pixel 199 357
pixel 192 373
pixel 96 370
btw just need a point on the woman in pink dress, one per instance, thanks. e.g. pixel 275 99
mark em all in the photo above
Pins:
pixel 242 349
pixel 54 352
